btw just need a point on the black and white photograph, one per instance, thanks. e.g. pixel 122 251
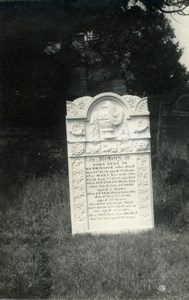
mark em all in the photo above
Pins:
pixel 94 149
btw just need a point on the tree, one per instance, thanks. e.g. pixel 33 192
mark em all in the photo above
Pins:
pixel 142 53
pixel 131 39
pixel 166 6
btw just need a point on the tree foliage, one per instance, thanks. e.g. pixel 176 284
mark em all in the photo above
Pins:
pixel 166 6
pixel 142 53
pixel 131 40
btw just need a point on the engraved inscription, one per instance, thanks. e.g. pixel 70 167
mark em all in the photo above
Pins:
pixel 112 188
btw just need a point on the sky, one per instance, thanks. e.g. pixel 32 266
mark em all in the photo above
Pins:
pixel 181 25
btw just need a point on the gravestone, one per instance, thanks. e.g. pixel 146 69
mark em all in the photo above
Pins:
pixel 110 182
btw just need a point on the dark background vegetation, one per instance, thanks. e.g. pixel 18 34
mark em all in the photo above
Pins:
pixel 48 47
pixel 53 51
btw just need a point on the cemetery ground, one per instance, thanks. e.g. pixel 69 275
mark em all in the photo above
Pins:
pixel 39 257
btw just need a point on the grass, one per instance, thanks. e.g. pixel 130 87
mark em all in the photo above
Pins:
pixel 123 267
pixel 41 259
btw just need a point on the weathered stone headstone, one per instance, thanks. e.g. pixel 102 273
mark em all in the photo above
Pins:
pixel 110 180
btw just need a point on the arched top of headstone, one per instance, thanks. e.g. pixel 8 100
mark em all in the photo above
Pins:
pixel 81 107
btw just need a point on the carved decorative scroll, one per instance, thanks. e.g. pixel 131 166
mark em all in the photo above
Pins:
pixel 121 147
pixel 71 109
pixel 77 149
pixel 77 130
pixel 143 188
pixel 142 106
pixel 79 107
pixel 79 195
pixel 136 104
